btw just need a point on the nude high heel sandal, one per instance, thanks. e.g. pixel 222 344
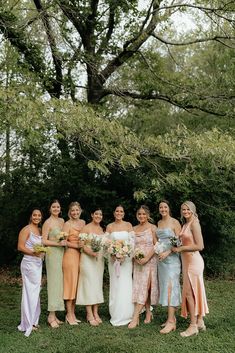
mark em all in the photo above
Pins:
pixel 191 331
pixel 72 323
pixel 170 326
pixel 149 319
pixel 92 322
pixel 201 325
pixel 53 323
pixel 134 323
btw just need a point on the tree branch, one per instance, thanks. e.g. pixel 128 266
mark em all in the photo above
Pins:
pixel 57 84
pixel 193 41
pixel 131 46
pixel 158 96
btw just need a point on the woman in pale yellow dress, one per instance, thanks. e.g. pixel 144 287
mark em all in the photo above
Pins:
pixel 90 283
pixel 71 260
pixel 193 295
pixel 51 230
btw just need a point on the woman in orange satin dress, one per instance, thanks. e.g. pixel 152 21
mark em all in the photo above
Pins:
pixel 71 260
pixel 193 295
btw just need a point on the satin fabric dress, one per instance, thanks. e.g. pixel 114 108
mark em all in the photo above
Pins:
pixel 31 271
pixel 121 308
pixel 90 284
pixel 54 259
pixel 71 261
pixel 193 267
pixel 169 272
pixel 145 276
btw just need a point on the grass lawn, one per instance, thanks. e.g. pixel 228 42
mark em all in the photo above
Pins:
pixel 219 337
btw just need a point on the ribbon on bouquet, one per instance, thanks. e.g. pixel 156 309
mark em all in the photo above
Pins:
pixel 117 265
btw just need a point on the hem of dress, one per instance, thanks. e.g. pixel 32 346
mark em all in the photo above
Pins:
pixel 99 302
pixel 55 309
pixel 120 324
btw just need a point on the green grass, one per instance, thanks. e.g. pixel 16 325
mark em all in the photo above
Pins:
pixel 219 337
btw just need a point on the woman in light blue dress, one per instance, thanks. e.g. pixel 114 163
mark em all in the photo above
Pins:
pixel 169 266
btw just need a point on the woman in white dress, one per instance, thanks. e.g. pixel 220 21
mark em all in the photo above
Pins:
pixel 31 271
pixel 90 283
pixel 121 307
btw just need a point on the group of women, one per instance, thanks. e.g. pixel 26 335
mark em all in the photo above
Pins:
pixel 75 271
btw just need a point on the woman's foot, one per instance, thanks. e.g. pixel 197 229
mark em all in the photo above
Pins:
pixel 59 322
pixel 52 322
pixel 70 322
pixel 191 331
pixel 201 325
pixel 164 323
pixel 148 317
pixel 170 326
pixel 35 327
pixel 134 323
pixel 98 319
pixel 92 321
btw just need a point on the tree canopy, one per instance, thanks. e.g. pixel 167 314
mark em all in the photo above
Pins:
pixel 118 101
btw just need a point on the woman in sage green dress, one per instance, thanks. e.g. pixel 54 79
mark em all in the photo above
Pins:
pixel 51 237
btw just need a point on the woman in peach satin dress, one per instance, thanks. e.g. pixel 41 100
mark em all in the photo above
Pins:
pixel 71 260
pixel 193 295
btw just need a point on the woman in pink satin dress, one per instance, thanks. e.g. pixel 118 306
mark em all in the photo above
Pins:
pixel 145 283
pixel 193 295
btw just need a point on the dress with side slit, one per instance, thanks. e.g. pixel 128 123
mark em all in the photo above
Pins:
pixel 31 270
pixel 145 276
pixel 169 272
pixel 193 266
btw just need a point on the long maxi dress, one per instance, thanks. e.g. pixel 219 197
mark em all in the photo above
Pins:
pixel 71 261
pixel 54 271
pixel 31 271
pixel 169 272
pixel 193 267
pixel 90 283
pixel 145 276
pixel 121 308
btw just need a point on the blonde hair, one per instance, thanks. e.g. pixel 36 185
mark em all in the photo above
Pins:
pixel 147 211
pixel 72 204
pixel 192 208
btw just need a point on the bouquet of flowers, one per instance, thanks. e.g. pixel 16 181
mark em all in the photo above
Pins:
pixel 92 240
pixel 119 249
pixel 160 247
pixel 138 254
pixel 175 241
pixel 37 248
pixel 62 236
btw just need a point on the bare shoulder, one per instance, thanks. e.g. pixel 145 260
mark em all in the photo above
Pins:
pixel 61 220
pixel 176 222
pixel 47 222
pixel 195 225
pixel 109 227
pixel 83 223
pixel 25 230
pixel 129 226
pixel 85 228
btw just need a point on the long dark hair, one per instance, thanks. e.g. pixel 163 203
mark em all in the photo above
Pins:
pixel 168 204
pixel 35 209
